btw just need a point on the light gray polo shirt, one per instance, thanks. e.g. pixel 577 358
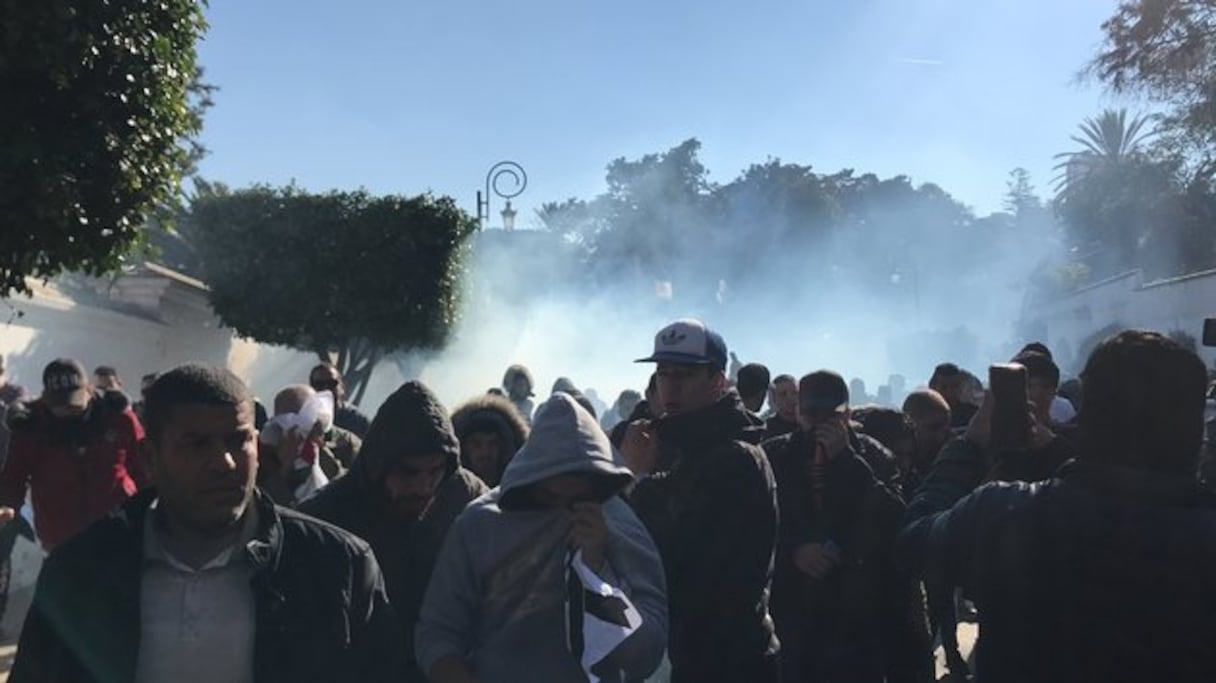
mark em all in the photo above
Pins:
pixel 196 626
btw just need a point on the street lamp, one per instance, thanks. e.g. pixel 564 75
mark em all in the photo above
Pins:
pixel 514 173
pixel 508 217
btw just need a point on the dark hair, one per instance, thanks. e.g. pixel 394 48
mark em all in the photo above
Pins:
pixel 653 385
pixel 1039 366
pixel 1037 347
pixel 753 380
pixel 105 371
pixel 324 367
pixel 1144 403
pixel 944 371
pixel 887 425
pixel 190 385
pixel 784 378
pixel 150 377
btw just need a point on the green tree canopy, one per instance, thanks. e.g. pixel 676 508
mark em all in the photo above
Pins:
pixel 95 128
pixel 348 276
pixel 1166 50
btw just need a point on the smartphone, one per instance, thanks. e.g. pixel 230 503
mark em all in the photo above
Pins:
pixel 1209 332
pixel 1010 416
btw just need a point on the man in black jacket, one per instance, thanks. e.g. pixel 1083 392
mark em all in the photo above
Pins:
pixel 1105 572
pixel 708 498
pixel 843 612
pixel 202 578
pixel 406 489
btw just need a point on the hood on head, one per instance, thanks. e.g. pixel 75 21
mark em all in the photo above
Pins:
pixel 564 385
pixel 496 409
pixel 565 439
pixel 411 423
pixel 516 371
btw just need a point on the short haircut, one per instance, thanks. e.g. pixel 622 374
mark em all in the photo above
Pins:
pixel 1144 404
pixel 150 377
pixel 887 425
pixel 291 398
pixel 945 371
pixel 106 371
pixel 323 367
pixel 189 385
pixel 783 379
pixel 926 401
pixel 1037 347
pixel 753 380
pixel 1039 366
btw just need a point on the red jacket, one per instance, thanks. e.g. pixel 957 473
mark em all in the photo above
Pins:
pixel 74 478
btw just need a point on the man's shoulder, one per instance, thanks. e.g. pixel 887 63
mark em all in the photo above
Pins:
pixel 735 460
pixel 99 545
pixel 335 500
pixel 465 485
pixel 303 532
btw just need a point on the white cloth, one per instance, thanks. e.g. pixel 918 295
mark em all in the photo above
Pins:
pixel 196 626
pixel 1062 411
pixel 600 636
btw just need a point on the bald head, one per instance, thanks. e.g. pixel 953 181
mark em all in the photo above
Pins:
pixel 292 399
pixel 926 403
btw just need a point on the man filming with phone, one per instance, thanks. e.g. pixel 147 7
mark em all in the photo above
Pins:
pixel 1104 572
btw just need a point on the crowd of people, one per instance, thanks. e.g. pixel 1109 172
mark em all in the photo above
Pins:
pixel 685 533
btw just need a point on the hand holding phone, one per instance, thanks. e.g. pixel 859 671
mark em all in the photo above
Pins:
pixel 1010 428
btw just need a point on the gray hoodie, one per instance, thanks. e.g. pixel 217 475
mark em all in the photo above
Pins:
pixel 497 595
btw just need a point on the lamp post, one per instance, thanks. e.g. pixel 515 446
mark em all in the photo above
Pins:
pixel 518 178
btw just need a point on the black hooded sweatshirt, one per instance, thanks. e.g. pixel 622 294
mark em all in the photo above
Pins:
pixel 711 508
pixel 411 423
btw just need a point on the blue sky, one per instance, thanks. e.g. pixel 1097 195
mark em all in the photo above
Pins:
pixel 405 97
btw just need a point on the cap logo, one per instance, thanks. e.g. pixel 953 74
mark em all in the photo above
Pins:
pixel 673 338
pixel 62 382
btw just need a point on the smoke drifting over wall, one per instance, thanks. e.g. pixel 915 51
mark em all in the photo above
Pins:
pixel 797 270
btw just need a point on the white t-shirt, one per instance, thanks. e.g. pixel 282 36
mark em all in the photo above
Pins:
pixel 1062 411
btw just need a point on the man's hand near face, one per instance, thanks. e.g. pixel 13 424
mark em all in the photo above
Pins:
pixel 589 533
pixel 832 436
pixel 640 449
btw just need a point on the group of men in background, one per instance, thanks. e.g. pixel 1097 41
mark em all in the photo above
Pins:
pixel 191 539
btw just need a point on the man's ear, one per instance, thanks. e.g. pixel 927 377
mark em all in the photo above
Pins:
pixel 720 382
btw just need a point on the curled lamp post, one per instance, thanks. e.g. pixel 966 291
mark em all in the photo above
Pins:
pixel 517 181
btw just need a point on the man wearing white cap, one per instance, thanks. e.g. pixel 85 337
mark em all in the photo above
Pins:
pixel 707 496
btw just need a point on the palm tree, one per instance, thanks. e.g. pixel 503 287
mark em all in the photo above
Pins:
pixel 1108 140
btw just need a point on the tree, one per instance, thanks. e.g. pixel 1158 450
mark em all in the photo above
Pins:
pixel 1109 140
pixel 1020 198
pixel 95 131
pixel 1166 50
pixel 345 275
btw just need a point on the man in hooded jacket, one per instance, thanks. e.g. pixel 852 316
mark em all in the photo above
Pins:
pixel 490 431
pixel 499 607
pixel 402 495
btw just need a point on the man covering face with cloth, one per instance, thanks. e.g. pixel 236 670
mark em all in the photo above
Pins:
pixel 550 576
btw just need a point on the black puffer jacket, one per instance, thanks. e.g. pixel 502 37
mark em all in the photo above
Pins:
pixel 713 515
pixel 322 614
pixel 1100 574
pixel 411 422
pixel 863 621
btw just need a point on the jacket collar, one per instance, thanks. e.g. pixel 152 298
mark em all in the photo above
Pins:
pixel 264 550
